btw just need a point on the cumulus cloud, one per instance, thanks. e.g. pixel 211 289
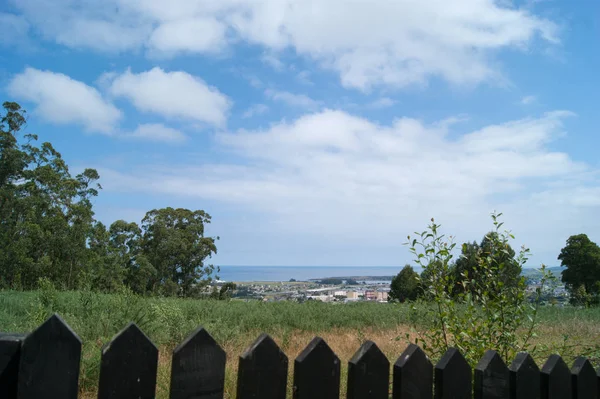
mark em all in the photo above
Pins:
pixel 61 99
pixel 13 29
pixel 256 109
pixel 384 102
pixel 173 94
pixel 291 99
pixel 341 178
pixel 194 35
pixel 368 43
pixel 158 132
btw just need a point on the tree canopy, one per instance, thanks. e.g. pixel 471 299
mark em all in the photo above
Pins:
pixel 466 273
pixel 48 228
pixel 405 285
pixel 581 258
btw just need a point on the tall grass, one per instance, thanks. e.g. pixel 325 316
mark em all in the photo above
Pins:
pixel 96 318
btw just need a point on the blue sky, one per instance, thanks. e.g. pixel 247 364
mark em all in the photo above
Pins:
pixel 321 132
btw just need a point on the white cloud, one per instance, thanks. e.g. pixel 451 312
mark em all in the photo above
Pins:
pixel 158 132
pixel 273 62
pixel 173 94
pixel 13 29
pixel 196 35
pixel 384 102
pixel 337 177
pixel 291 99
pixel 256 109
pixel 368 43
pixel 304 78
pixel 60 99
pixel 527 100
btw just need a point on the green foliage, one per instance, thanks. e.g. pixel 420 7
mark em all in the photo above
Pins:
pixel 404 286
pixel 47 229
pixel 581 257
pixel 489 310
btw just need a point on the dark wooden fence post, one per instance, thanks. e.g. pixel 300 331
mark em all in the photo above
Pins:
pixel 555 379
pixel 368 373
pixel 49 365
pixel 128 366
pixel 10 353
pixel 198 368
pixel 524 378
pixel 491 377
pixel 317 372
pixel 453 376
pixel 584 383
pixel 413 375
pixel 262 371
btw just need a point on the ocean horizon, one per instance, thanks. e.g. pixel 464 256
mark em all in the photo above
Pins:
pixel 304 273
pixel 300 273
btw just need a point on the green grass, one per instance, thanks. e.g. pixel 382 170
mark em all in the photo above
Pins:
pixel 169 320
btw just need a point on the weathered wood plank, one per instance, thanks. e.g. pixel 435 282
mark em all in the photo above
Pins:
pixel 491 377
pixel 49 365
pixel 555 379
pixel 453 376
pixel 413 375
pixel 368 373
pixel 262 371
pixel 128 366
pixel 198 368
pixel 524 377
pixel 583 379
pixel 317 372
pixel 10 353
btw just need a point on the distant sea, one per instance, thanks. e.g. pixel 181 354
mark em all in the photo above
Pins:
pixel 301 273
pixel 304 273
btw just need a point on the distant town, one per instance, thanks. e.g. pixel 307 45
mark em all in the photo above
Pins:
pixel 366 288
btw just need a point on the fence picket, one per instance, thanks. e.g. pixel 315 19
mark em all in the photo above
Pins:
pixel 413 375
pixel 45 364
pixel 524 377
pixel 198 368
pixel 453 376
pixel 10 352
pixel 555 378
pixel 262 371
pixel 49 365
pixel 368 373
pixel 317 372
pixel 491 377
pixel 128 366
pixel 583 379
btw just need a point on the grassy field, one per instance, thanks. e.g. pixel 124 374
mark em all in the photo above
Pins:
pixel 235 324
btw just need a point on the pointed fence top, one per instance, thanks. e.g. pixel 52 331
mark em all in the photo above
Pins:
pixel 262 371
pixel 199 337
pixel 317 347
pixel 263 344
pixel 129 335
pixel 198 368
pixel 412 353
pixel 128 366
pixel 555 379
pixel 49 364
pixel 491 377
pixel 523 363
pixel 585 382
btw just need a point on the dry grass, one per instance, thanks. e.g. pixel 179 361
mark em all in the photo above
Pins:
pixel 345 343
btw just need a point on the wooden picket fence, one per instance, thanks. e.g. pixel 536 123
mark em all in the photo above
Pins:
pixel 45 364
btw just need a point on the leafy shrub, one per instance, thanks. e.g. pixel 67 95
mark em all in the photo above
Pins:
pixel 488 313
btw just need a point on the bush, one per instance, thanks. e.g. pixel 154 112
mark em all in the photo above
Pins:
pixel 488 313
